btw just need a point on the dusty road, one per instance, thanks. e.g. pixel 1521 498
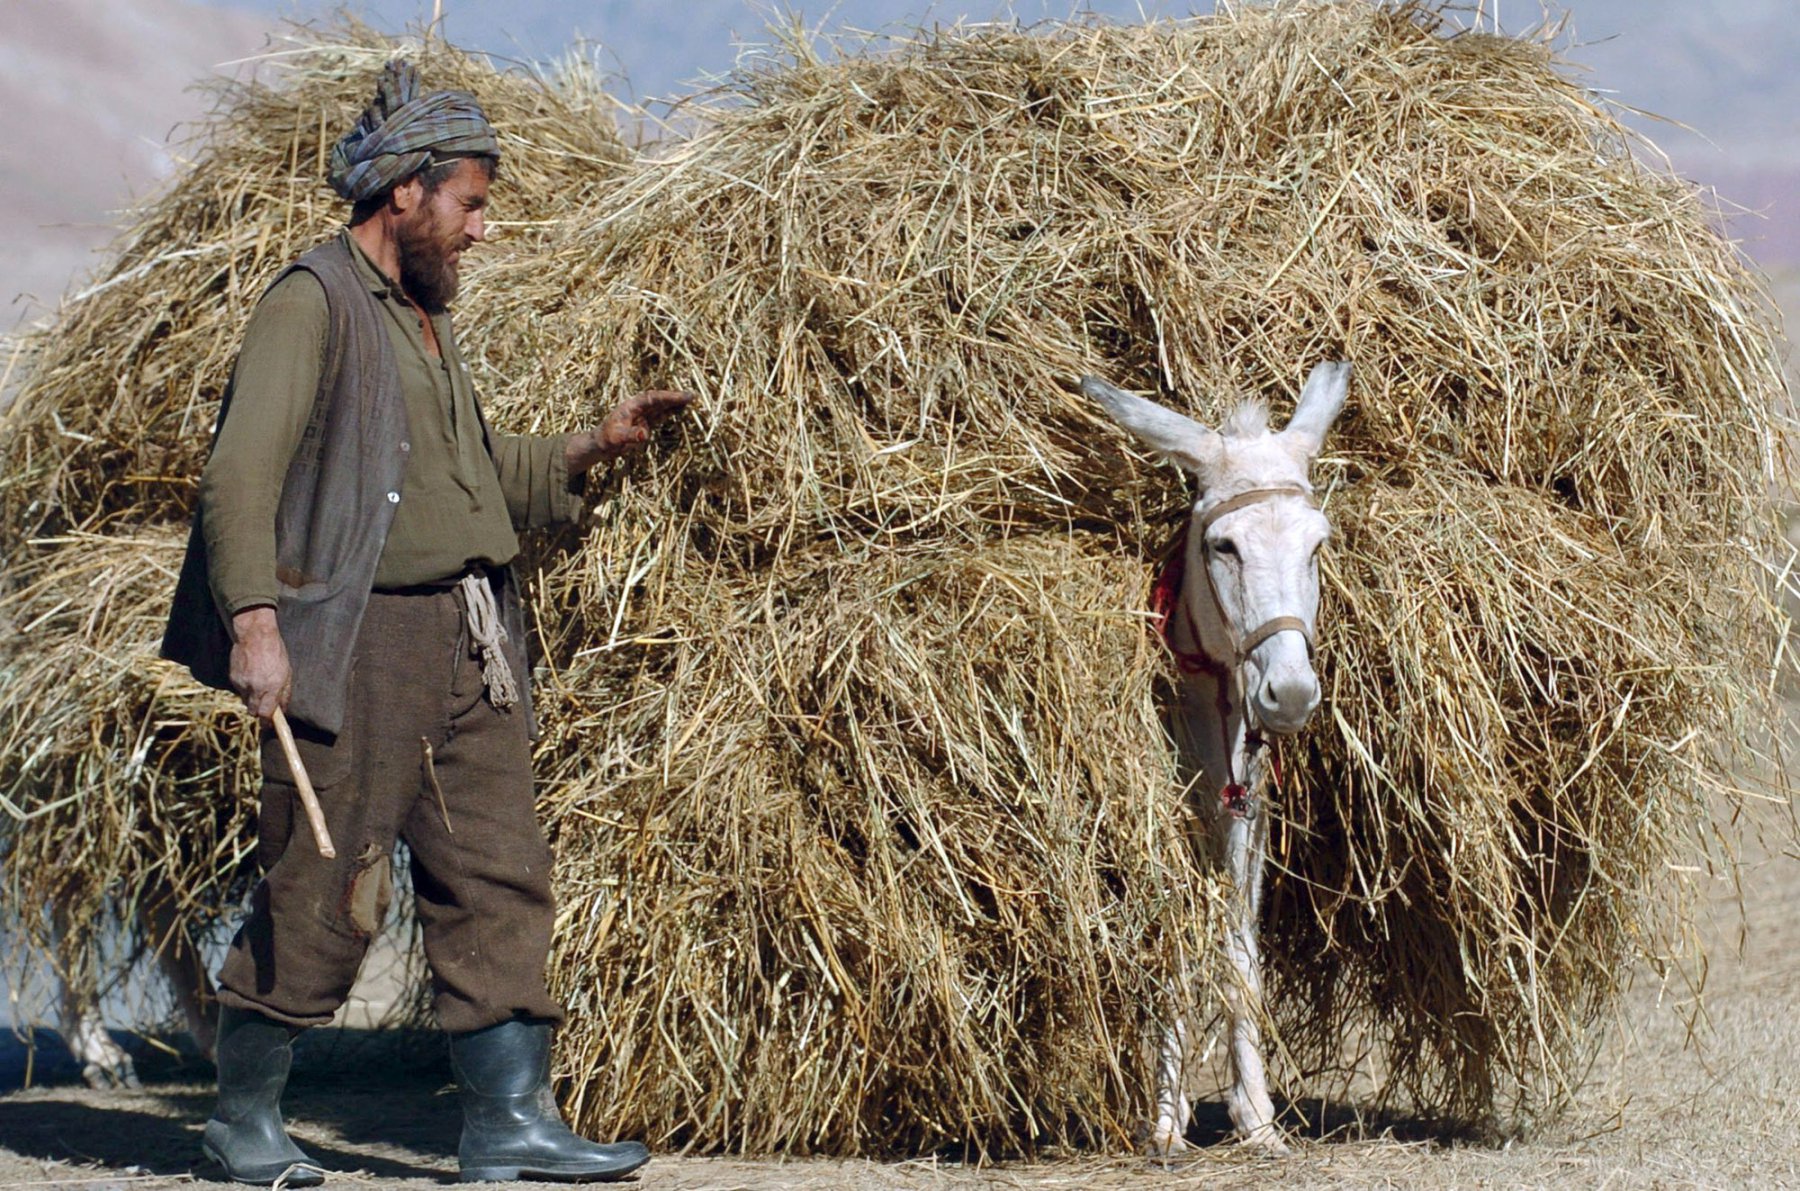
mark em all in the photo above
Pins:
pixel 1658 1113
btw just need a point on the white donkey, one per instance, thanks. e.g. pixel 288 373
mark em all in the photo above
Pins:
pixel 104 1063
pixel 1241 629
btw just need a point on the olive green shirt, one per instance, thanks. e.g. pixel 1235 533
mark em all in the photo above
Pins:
pixel 456 506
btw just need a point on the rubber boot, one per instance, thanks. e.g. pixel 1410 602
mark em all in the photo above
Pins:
pixel 246 1135
pixel 511 1126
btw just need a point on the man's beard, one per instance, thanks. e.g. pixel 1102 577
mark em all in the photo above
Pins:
pixel 427 273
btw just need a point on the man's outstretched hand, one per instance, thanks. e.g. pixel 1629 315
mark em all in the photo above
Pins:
pixel 627 428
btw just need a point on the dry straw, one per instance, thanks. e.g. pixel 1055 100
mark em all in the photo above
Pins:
pixel 122 779
pixel 1545 610
pixel 867 833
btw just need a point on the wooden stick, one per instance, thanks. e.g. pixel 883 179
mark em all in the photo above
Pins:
pixel 308 799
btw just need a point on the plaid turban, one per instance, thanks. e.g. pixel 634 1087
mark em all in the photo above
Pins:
pixel 402 132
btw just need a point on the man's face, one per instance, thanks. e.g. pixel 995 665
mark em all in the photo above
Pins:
pixel 433 235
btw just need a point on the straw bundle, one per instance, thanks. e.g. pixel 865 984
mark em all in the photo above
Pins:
pixel 120 775
pixel 857 854
pixel 867 833
pixel 1543 619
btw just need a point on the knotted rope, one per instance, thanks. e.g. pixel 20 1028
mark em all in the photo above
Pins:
pixel 483 613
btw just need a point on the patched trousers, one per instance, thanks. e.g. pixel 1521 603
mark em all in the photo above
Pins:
pixel 426 758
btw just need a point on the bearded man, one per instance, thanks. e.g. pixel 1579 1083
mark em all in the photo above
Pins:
pixel 350 564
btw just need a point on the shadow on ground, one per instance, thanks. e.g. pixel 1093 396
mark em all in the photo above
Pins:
pixel 367 1101
pixel 1330 1120
pixel 165 1140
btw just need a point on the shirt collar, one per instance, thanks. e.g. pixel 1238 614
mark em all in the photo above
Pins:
pixel 383 286
pixel 379 283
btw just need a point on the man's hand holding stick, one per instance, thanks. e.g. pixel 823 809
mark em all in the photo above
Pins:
pixel 262 675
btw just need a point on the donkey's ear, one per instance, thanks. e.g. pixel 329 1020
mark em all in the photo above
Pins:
pixel 1321 400
pixel 1179 438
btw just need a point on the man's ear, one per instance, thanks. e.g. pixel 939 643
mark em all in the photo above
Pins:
pixel 408 196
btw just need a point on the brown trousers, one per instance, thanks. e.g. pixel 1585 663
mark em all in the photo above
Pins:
pixel 480 866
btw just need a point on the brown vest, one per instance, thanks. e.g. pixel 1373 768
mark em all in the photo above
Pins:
pixel 337 502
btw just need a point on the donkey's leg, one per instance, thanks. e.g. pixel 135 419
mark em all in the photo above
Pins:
pixel 184 968
pixel 1252 1111
pixel 1173 1110
pixel 104 1063
pixel 1193 724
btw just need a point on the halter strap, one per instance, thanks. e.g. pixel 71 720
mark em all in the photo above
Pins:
pixel 1253 496
pixel 1268 628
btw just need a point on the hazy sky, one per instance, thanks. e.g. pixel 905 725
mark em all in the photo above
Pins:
pixel 664 45
pixel 97 84
pixel 1723 65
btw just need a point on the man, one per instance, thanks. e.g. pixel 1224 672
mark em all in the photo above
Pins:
pixel 350 564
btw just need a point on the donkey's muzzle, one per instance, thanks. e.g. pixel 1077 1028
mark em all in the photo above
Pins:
pixel 1284 697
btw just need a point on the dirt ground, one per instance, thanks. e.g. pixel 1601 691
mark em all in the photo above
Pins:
pixel 1659 1111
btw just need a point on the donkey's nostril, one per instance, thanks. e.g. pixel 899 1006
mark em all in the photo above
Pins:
pixel 1285 700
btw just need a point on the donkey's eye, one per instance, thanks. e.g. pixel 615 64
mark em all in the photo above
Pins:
pixel 1223 546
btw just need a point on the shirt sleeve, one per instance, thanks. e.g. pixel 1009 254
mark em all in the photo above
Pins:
pixel 273 388
pixel 534 476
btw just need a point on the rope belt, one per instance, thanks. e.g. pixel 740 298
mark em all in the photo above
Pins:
pixel 483 614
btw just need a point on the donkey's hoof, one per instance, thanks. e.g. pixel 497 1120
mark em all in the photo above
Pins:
pixel 114 1074
pixel 1267 1139
pixel 1162 1141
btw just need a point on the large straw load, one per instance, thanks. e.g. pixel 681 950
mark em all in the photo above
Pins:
pixel 122 778
pixel 867 834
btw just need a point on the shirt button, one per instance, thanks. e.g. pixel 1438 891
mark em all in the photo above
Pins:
pixel 406 446
pixel 393 498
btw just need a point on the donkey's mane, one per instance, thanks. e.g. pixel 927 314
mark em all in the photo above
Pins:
pixel 1247 419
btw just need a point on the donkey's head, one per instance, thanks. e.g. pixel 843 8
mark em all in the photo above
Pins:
pixel 1252 584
